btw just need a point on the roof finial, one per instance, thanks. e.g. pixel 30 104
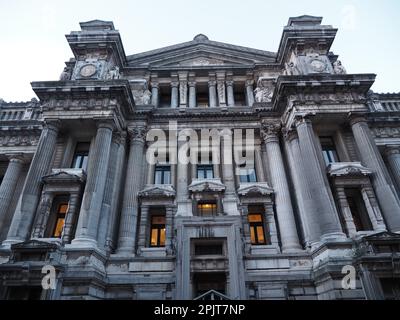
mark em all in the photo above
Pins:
pixel 200 37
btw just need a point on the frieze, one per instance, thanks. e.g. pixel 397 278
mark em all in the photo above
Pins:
pixel 386 132
pixel 12 140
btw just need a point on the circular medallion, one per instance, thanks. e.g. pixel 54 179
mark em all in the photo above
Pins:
pixel 88 70
pixel 318 65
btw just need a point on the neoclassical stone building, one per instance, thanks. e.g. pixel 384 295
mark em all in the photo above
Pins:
pixel 320 196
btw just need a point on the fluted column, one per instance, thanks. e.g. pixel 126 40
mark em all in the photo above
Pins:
pixel 393 157
pixel 325 213
pixel 9 184
pixel 174 94
pixel 259 165
pixel 42 214
pixel 129 212
pixel 381 181
pixel 154 94
pixel 212 93
pixel 284 210
pixel 70 217
pixel 25 211
pixel 144 220
pixel 229 199
pixel 182 192
pixel 250 92
pixel 192 94
pixel 230 93
pixel 89 216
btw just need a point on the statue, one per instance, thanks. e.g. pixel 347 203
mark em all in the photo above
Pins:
pixel 113 73
pixel 338 67
pixel 263 93
pixel 146 98
pixel 66 74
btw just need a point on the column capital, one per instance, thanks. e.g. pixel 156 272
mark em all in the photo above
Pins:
pixel 289 134
pixel 192 84
pixel 137 133
pixel 52 125
pixel 154 85
pixel 212 83
pixel 175 84
pixel 303 119
pixel 229 83
pixel 119 137
pixel 16 157
pixel 107 124
pixel 392 150
pixel 270 130
pixel 249 82
pixel 356 118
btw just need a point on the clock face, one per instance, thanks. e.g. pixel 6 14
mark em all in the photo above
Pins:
pixel 318 65
pixel 88 70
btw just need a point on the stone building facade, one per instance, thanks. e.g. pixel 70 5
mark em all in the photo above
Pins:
pixel 314 215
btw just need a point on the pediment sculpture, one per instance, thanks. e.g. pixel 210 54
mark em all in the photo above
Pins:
pixel 247 189
pixel 158 191
pixel 348 168
pixel 264 90
pixel 201 185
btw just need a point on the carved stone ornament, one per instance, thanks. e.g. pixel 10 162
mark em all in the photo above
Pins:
pixel 338 67
pixel 264 90
pixel 318 65
pixel 348 169
pixel 386 132
pixel 137 133
pixel 201 185
pixel 66 74
pixel 113 73
pixel 251 189
pixel 157 191
pixel 18 140
pixel 142 97
pixel 88 70
pixel 270 128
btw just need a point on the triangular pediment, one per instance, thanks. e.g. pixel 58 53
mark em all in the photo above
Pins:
pixel 201 52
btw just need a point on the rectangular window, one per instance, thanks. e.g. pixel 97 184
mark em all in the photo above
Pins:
pixel 207 249
pixel 162 175
pixel 205 171
pixel 207 209
pixel 157 231
pixel 329 150
pixel 61 212
pixel 257 232
pixel 358 210
pixel 81 155
pixel 247 175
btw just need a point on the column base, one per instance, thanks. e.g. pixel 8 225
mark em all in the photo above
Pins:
pixel 6 244
pixel 334 236
pixel 84 243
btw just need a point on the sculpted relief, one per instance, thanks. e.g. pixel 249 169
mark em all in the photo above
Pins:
pixel 264 90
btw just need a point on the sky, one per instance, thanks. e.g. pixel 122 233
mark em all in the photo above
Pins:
pixel 33 46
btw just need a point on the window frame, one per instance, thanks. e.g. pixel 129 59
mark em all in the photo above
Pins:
pixel 163 169
pixel 214 208
pixel 254 226
pixel 205 168
pixel 159 229
pixel 81 151
pixel 59 216
pixel 329 150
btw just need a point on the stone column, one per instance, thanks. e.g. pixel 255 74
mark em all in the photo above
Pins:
pixel 393 158
pixel 259 165
pixel 346 212
pixel 89 216
pixel 324 213
pixel 182 192
pixel 154 94
pixel 284 210
pixel 250 92
pixel 129 212
pixel 221 90
pixel 9 185
pixel 271 225
pixel 192 94
pixel 174 94
pixel 212 93
pixel 230 93
pixel 27 204
pixel 229 199
pixel 42 214
pixel 70 218
pixel 381 181
pixel 143 227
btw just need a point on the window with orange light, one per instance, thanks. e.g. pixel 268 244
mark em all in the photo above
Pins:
pixel 157 231
pixel 62 210
pixel 207 209
pixel 257 230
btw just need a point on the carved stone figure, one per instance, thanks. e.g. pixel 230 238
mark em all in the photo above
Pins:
pixel 113 73
pixel 146 98
pixel 263 92
pixel 66 74
pixel 338 67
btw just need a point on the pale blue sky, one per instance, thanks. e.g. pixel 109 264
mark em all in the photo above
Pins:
pixel 33 46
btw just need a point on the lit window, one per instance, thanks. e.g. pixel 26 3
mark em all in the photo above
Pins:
pixel 60 221
pixel 81 154
pixel 157 231
pixel 207 209
pixel 329 150
pixel 257 233
pixel 162 175
pixel 205 171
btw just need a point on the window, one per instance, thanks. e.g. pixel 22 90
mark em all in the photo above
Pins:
pixel 257 232
pixel 247 175
pixel 358 211
pixel 162 175
pixel 206 249
pixel 81 154
pixel 329 150
pixel 205 171
pixel 157 231
pixel 62 209
pixel 207 209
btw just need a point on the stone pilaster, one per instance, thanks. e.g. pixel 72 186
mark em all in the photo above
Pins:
pixel 183 92
pixel 250 92
pixel 89 216
pixel 393 158
pixel 229 199
pixel 129 212
pixel 154 94
pixel 174 94
pixel 346 212
pixel 259 165
pixel 71 218
pixel 230 93
pixel 324 211
pixel 169 229
pixel 284 210
pixel 192 94
pixel 9 185
pixel 212 93
pixel 25 212
pixel 143 228
pixel 42 215
pixel 182 193
pixel 381 181
pixel 221 89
